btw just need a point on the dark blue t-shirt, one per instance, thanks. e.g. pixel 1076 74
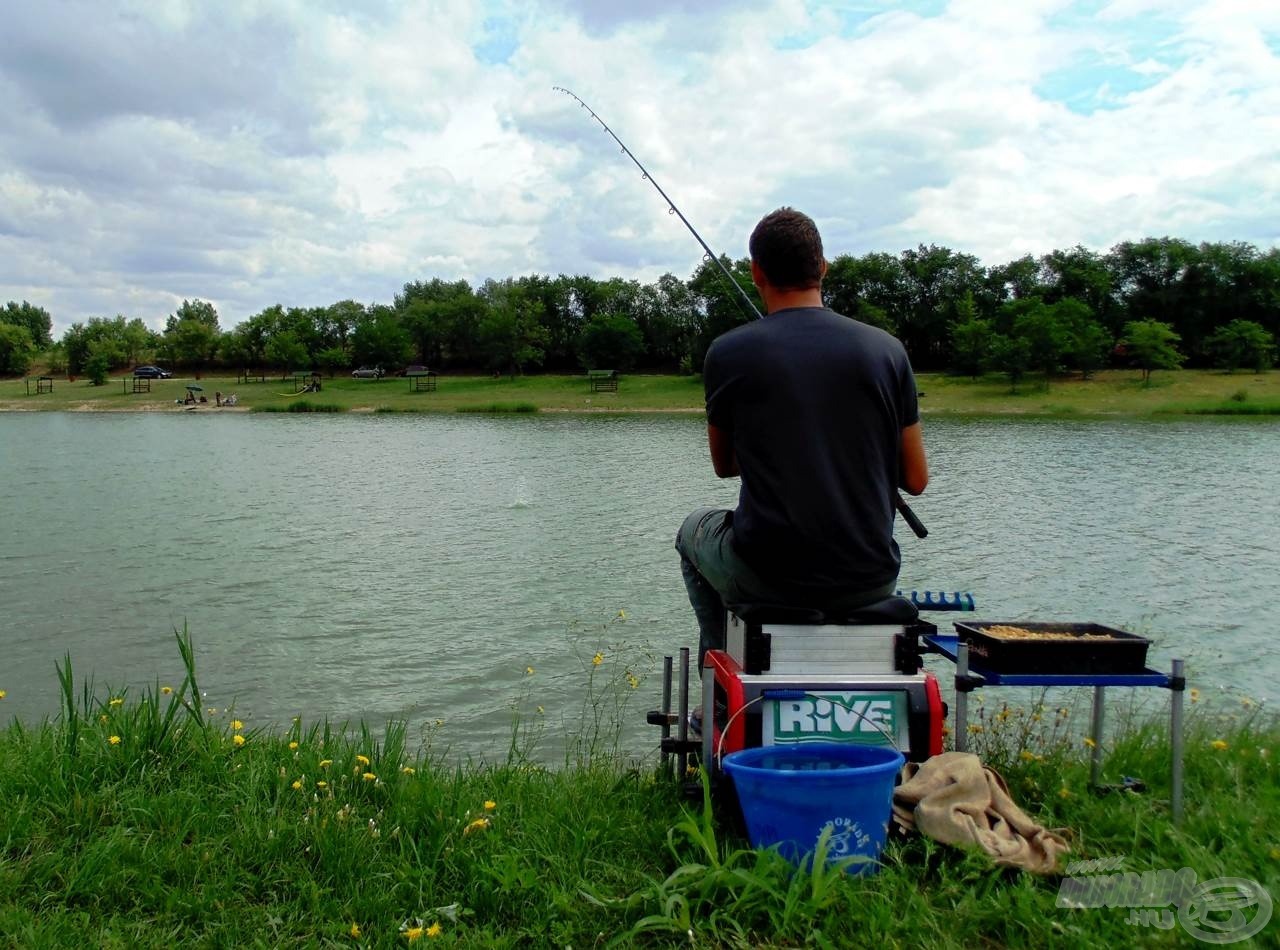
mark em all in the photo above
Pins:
pixel 815 403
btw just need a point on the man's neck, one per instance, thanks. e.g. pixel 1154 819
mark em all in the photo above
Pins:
pixel 776 300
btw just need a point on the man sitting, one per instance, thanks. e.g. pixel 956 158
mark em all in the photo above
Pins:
pixel 817 413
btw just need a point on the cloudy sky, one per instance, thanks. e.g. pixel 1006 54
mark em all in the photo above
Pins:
pixel 303 152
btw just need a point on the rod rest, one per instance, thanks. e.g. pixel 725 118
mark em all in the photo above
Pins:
pixel 891 610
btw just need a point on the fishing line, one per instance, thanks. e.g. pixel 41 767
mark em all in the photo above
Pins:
pixel 908 515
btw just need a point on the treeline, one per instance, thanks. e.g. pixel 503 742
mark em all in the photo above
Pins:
pixel 1152 303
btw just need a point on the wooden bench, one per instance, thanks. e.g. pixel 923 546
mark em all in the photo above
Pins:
pixel 603 380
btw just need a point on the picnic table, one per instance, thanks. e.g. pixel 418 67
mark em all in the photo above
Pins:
pixel 421 379
pixel 603 380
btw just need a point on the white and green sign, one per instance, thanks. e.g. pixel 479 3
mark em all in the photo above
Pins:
pixel 866 718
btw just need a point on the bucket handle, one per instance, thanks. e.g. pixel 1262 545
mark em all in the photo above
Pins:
pixel 783 694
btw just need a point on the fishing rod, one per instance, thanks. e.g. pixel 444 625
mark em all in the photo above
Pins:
pixel 908 515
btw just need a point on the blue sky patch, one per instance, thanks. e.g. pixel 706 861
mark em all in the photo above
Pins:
pixel 500 41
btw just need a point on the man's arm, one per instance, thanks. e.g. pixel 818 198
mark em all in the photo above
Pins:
pixel 723 459
pixel 913 464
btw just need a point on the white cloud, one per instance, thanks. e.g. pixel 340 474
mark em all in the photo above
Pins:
pixel 252 154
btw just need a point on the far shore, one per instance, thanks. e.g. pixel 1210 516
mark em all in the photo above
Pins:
pixel 1108 394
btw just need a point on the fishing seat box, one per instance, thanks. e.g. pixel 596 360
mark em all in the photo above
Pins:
pixel 794 676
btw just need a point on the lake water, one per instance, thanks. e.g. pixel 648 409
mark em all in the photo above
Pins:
pixel 414 567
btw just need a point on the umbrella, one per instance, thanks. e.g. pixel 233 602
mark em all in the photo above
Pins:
pixel 198 389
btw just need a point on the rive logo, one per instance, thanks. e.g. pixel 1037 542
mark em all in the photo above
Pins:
pixel 866 718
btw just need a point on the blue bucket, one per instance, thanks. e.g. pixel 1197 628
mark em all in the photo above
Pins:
pixel 791 793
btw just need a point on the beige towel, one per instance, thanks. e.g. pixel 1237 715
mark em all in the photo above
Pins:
pixel 954 799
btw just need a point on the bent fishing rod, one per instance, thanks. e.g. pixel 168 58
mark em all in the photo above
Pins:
pixel 908 515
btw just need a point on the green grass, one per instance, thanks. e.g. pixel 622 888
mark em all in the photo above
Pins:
pixel 178 832
pixel 1108 394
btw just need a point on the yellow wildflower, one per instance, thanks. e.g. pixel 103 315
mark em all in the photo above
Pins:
pixel 166 690
pixel 1275 854
pixel 414 933
pixel 622 615
pixel 434 930
pixel 597 659
pixel 325 763
pixel 362 759
pixel 322 784
pixel 1246 702
pixel 369 777
pixel 102 718
pixel 116 701
pixel 975 728
pixel 633 680
pixel 490 806
pixel 293 745
pixel 478 825
pixel 528 671
pixel 1064 792
pixel 212 711
pixel 297 785
pixel 237 725
pixel 1027 755
pixel 3 694
pixel 439 723
pixel 1220 744
pixel 114 740
pixel 407 769
pixel 1195 695
pixel 1088 740
pixel 354 931
pixel 238 740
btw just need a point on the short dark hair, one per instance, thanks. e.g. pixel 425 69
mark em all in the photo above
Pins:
pixel 787 246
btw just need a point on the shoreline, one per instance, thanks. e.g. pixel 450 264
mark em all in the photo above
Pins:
pixel 1110 394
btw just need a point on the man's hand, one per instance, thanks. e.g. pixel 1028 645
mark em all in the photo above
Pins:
pixel 723 459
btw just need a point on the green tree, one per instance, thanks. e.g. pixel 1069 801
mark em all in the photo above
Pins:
pixel 1011 356
pixel 286 352
pixel 379 340
pixel 101 357
pixel 36 320
pixel 1241 343
pixel 190 342
pixel 333 359
pixel 510 334
pixel 1087 342
pixel 610 341
pixel 1039 327
pixel 200 311
pixel 17 349
pixel 971 338
pixel 1152 345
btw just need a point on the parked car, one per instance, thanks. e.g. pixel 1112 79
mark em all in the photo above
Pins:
pixel 414 370
pixel 368 372
pixel 151 372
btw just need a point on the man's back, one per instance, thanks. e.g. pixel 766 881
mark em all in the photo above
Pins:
pixel 815 404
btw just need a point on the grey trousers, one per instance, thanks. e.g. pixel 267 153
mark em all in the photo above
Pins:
pixel 714 576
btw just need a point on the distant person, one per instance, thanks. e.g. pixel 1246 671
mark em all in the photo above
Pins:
pixel 217 398
pixel 817 414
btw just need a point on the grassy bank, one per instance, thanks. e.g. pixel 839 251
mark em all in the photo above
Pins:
pixel 1112 393
pixel 147 820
